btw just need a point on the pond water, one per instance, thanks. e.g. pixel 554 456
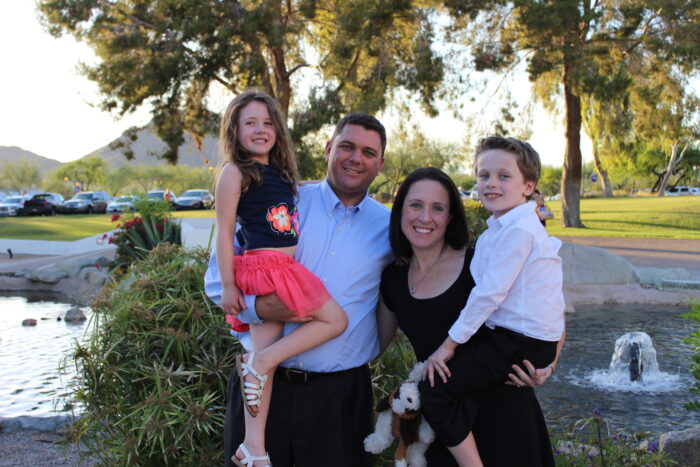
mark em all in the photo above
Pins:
pixel 582 383
pixel 30 355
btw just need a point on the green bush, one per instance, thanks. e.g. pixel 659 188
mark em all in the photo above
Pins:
pixel 694 341
pixel 138 235
pixel 476 219
pixel 151 378
pixel 591 443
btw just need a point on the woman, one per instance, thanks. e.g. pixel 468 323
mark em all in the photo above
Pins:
pixel 423 293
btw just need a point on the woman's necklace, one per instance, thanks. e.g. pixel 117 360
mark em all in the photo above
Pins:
pixel 412 288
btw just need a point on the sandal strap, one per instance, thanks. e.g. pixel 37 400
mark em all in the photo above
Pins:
pixel 253 392
pixel 248 459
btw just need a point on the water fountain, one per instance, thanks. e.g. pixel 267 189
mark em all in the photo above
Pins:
pixel 634 359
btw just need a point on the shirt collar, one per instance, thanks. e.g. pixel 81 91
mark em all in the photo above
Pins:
pixel 332 202
pixel 513 215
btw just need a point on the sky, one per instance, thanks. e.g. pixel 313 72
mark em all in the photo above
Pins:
pixel 48 108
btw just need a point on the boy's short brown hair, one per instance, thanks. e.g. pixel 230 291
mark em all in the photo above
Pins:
pixel 528 159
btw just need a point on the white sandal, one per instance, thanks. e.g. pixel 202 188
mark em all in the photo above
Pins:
pixel 251 392
pixel 248 460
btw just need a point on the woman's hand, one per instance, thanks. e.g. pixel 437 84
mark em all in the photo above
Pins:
pixel 232 301
pixel 437 362
pixel 534 376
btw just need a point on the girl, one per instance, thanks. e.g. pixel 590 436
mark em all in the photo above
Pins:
pixel 256 186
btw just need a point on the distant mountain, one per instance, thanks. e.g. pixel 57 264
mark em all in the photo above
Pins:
pixel 15 154
pixel 147 143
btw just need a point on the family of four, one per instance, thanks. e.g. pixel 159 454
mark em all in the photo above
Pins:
pixel 313 310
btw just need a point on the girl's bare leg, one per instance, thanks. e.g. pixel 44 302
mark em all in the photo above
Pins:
pixel 263 335
pixel 466 454
pixel 329 321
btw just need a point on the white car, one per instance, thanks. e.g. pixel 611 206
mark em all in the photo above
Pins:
pixel 695 191
pixel 122 204
pixel 679 190
pixel 13 205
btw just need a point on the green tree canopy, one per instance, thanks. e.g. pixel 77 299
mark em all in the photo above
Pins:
pixel 169 53
pixel 88 171
pixel 578 48
pixel 19 176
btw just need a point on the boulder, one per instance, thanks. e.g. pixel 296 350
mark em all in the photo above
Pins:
pixel 682 446
pixel 47 275
pixel 655 276
pixel 74 315
pixel 29 322
pixel 588 265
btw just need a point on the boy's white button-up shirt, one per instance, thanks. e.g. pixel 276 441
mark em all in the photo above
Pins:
pixel 519 279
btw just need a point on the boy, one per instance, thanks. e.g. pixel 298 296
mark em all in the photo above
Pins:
pixel 515 311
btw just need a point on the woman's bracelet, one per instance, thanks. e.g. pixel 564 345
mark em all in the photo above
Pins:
pixel 551 370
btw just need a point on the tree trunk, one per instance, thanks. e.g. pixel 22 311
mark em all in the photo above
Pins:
pixel 571 173
pixel 604 179
pixel 673 161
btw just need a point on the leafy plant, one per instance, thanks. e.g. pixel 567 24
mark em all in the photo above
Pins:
pixel 591 443
pixel 476 219
pixel 138 235
pixel 151 378
pixel 694 341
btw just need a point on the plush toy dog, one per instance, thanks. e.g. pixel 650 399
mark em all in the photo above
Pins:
pixel 399 415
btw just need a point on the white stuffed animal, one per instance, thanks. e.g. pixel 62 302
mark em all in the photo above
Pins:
pixel 399 415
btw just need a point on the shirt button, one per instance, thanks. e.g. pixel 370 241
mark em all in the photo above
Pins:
pixel 325 280
pixel 301 365
pixel 340 228
pixel 332 253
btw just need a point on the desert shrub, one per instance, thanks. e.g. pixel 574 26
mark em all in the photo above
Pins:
pixel 694 341
pixel 476 219
pixel 151 379
pixel 138 235
pixel 592 443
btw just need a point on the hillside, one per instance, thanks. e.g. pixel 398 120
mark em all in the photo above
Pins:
pixel 13 154
pixel 148 143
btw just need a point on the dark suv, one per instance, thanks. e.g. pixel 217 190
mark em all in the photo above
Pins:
pixel 87 202
pixel 43 204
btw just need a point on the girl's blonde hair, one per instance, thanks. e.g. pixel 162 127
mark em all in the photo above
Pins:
pixel 281 155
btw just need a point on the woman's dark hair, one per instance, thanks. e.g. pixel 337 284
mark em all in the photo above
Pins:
pixel 456 234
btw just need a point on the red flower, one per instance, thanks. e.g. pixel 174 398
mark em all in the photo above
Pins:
pixel 279 218
pixel 104 236
pixel 159 227
pixel 111 240
pixel 115 217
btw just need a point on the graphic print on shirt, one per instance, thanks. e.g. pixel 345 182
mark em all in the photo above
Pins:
pixel 282 221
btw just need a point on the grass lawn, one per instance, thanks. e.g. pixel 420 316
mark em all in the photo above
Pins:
pixel 645 217
pixel 68 228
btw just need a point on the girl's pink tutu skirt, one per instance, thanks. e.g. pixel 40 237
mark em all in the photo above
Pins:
pixel 260 272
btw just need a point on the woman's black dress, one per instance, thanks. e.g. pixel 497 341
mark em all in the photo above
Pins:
pixel 509 427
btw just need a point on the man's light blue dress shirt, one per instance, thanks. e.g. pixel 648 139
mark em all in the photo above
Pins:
pixel 347 248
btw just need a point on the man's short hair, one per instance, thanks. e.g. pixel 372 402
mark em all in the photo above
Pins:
pixel 527 158
pixel 367 122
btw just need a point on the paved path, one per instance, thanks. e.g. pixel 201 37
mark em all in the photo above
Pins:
pixel 649 252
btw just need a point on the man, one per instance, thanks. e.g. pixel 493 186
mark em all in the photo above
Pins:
pixel 321 406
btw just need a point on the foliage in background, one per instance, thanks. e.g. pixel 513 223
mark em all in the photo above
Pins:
pixel 151 379
pixel 591 444
pixel 694 341
pixel 476 219
pixel 351 54
pixel 138 235
pixel 89 172
pixel 19 176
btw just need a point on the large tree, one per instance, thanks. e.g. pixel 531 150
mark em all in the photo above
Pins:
pixel 19 176
pixel 88 171
pixel 346 55
pixel 571 48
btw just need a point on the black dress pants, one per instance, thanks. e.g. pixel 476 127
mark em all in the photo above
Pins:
pixel 482 363
pixel 313 421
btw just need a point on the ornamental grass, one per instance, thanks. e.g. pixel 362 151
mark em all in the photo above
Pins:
pixel 151 379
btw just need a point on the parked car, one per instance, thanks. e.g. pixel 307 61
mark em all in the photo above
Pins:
pixel 13 205
pixel 695 191
pixel 679 190
pixel 162 195
pixel 195 199
pixel 44 204
pixel 87 202
pixel 122 204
